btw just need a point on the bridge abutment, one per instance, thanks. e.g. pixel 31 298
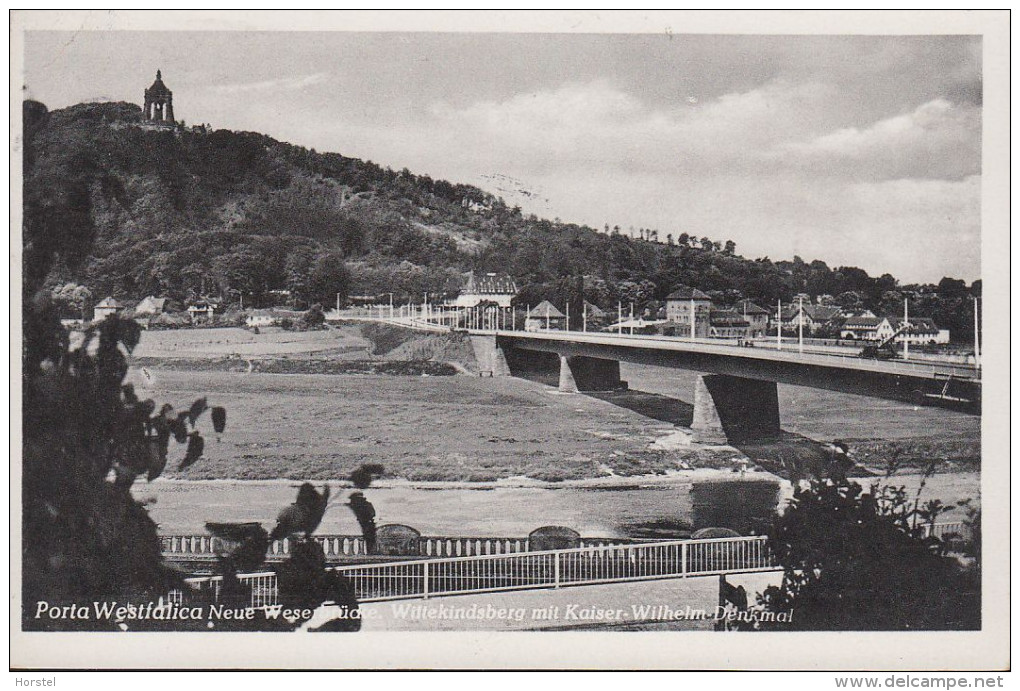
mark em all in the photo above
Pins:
pixel 734 409
pixel 490 356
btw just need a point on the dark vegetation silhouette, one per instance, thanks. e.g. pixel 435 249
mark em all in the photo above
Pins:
pixel 361 507
pixel 87 437
pixel 857 559
pixel 180 214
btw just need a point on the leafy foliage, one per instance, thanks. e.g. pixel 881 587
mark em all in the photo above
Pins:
pixel 860 560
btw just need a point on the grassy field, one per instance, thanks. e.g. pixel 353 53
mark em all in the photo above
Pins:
pixel 465 428
pixel 419 428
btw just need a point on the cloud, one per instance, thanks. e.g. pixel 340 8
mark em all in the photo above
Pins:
pixel 939 139
pixel 283 84
pixel 782 168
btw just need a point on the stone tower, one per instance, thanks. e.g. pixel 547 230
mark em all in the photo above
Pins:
pixel 159 102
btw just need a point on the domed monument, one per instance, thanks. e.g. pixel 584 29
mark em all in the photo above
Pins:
pixel 159 102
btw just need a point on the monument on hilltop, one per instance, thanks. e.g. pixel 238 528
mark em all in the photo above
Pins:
pixel 159 102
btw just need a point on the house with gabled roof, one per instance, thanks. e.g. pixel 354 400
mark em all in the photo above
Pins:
pixel 498 288
pixel 687 305
pixel 150 306
pixel 545 317
pixel 757 317
pixel 105 308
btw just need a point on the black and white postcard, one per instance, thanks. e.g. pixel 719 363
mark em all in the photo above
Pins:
pixel 510 340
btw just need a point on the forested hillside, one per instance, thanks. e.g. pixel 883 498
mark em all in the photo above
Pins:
pixel 188 212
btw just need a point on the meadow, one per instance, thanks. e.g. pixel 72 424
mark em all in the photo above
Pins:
pixel 467 428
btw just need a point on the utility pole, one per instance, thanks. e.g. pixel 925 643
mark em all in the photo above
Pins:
pixel 693 318
pixel 906 331
pixel 800 326
pixel 391 305
pixel 568 315
pixel 632 319
pixel 338 304
pixel 584 317
pixel 619 318
pixel 977 336
pixel 779 326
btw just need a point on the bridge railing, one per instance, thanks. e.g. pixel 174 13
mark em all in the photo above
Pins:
pixel 531 570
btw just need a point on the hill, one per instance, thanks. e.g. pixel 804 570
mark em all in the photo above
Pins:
pixel 135 210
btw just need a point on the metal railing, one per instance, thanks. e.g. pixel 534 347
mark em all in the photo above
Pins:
pixel 958 529
pixel 812 355
pixel 532 570
pixel 436 546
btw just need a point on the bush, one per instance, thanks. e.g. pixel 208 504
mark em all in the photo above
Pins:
pixel 856 560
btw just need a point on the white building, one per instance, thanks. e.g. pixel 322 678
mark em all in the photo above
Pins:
pixel 487 288
pixel 105 308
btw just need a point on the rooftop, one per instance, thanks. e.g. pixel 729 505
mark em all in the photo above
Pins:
pixel 489 284
pixel 687 293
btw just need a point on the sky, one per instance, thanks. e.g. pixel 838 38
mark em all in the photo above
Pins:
pixel 856 150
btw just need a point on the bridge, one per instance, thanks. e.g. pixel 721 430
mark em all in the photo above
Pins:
pixel 736 399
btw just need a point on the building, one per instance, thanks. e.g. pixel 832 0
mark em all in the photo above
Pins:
pixel 159 103
pixel 150 307
pixel 727 324
pixel 490 287
pixel 271 317
pixel 105 308
pixel 201 310
pixel 686 304
pixel 757 318
pixel 920 331
pixel 812 317
pixel 545 317
pixel 860 328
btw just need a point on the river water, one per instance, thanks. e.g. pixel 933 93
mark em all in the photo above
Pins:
pixel 653 507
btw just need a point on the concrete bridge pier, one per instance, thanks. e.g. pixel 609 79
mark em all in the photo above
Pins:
pixel 734 409
pixel 580 373
pixel 490 356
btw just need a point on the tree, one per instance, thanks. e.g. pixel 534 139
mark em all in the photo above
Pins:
pixel 329 276
pixel 298 268
pixel 859 560
pixel 72 300
pixel 730 248
pixel 314 316
pixel 850 301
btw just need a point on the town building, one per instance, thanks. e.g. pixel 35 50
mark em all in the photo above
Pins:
pixel 812 317
pixel 202 310
pixel 271 317
pixel 727 324
pixel 860 328
pixel 545 317
pixel 920 330
pixel 105 308
pixel 686 305
pixel 757 318
pixel 486 288
pixel 150 307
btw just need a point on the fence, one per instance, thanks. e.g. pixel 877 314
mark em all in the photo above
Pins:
pixel 943 531
pixel 205 546
pixel 531 570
